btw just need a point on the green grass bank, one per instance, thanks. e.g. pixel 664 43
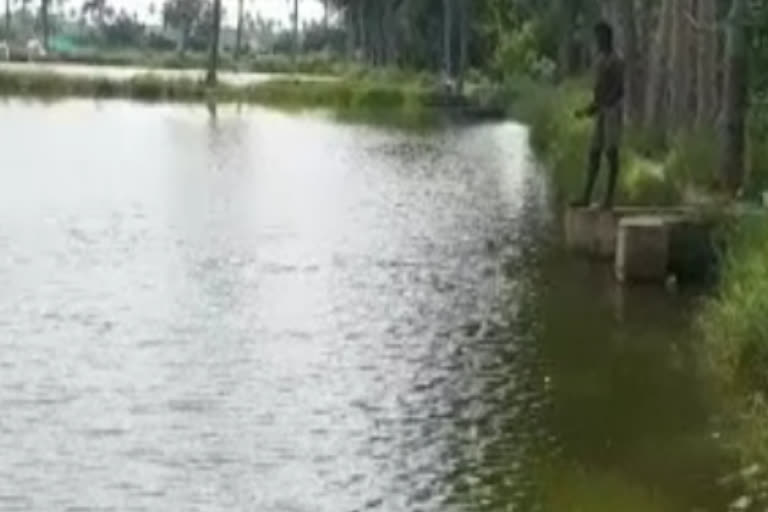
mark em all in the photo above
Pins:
pixel 345 93
pixel 313 63
pixel 734 327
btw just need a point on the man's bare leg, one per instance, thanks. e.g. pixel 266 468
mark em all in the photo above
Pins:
pixel 612 155
pixel 593 169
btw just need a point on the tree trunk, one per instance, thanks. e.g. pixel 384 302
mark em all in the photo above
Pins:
pixel 644 26
pixel 658 76
pixel 349 28
pixel 185 32
pixel 326 13
pixel 644 17
pixel 611 13
pixel 213 62
pixel 44 22
pixel 680 64
pixel 8 19
pixel 735 99
pixel 388 33
pixel 565 48
pixel 296 42
pixel 375 32
pixel 239 34
pixel 464 13
pixel 362 31
pixel 706 65
pixel 634 79
pixel 447 38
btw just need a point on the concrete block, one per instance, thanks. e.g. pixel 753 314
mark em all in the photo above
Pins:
pixel 580 228
pixel 693 252
pixel 607 229
pixel 594 231
pixel 642 252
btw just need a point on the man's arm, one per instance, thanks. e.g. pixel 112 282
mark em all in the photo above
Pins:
pixel 590 110
pixel 615 89
pixel 609 88
pixel 594 106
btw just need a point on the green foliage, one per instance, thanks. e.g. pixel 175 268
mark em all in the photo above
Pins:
pixel 184 15
pixel 555 133
pixel 757 146
pixel 124 31
pixel 693 159
pixel 734 323
pixel 317 37
pixel 735 349
pixel 645 182
pixel 515 41
pixel 517 53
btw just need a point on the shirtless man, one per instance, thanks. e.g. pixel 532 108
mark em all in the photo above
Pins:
pixel 607 111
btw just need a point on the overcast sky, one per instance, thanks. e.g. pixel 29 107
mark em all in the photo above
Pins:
pixel 277 9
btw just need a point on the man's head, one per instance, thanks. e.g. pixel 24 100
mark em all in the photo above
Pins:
pixel 604 37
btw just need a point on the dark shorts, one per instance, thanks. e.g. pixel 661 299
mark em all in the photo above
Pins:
pixel 607 130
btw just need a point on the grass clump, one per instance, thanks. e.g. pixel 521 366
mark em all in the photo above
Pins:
pixel 734 327
pixel 735 322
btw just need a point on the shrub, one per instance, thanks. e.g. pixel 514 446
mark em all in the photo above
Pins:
pixel 693 159
pixel 147 87
pixel 645 182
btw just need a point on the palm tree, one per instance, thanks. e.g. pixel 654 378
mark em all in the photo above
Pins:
pixel 7 19
pixel 98 7
pixel 240 21
pixel 213 63
pixel 44 22
pixel 447 38
pixel 295 28
pixel 464 13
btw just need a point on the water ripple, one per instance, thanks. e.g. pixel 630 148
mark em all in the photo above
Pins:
pixel 223 322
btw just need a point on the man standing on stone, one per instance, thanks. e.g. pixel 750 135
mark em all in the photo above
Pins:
pixel 607 111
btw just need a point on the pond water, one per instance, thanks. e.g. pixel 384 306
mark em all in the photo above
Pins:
pixel 252 310
pixel 128 72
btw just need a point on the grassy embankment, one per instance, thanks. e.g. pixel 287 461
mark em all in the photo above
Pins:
pixel 734 327
pixel 733 322
pixel 349 92
pixel 315 63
